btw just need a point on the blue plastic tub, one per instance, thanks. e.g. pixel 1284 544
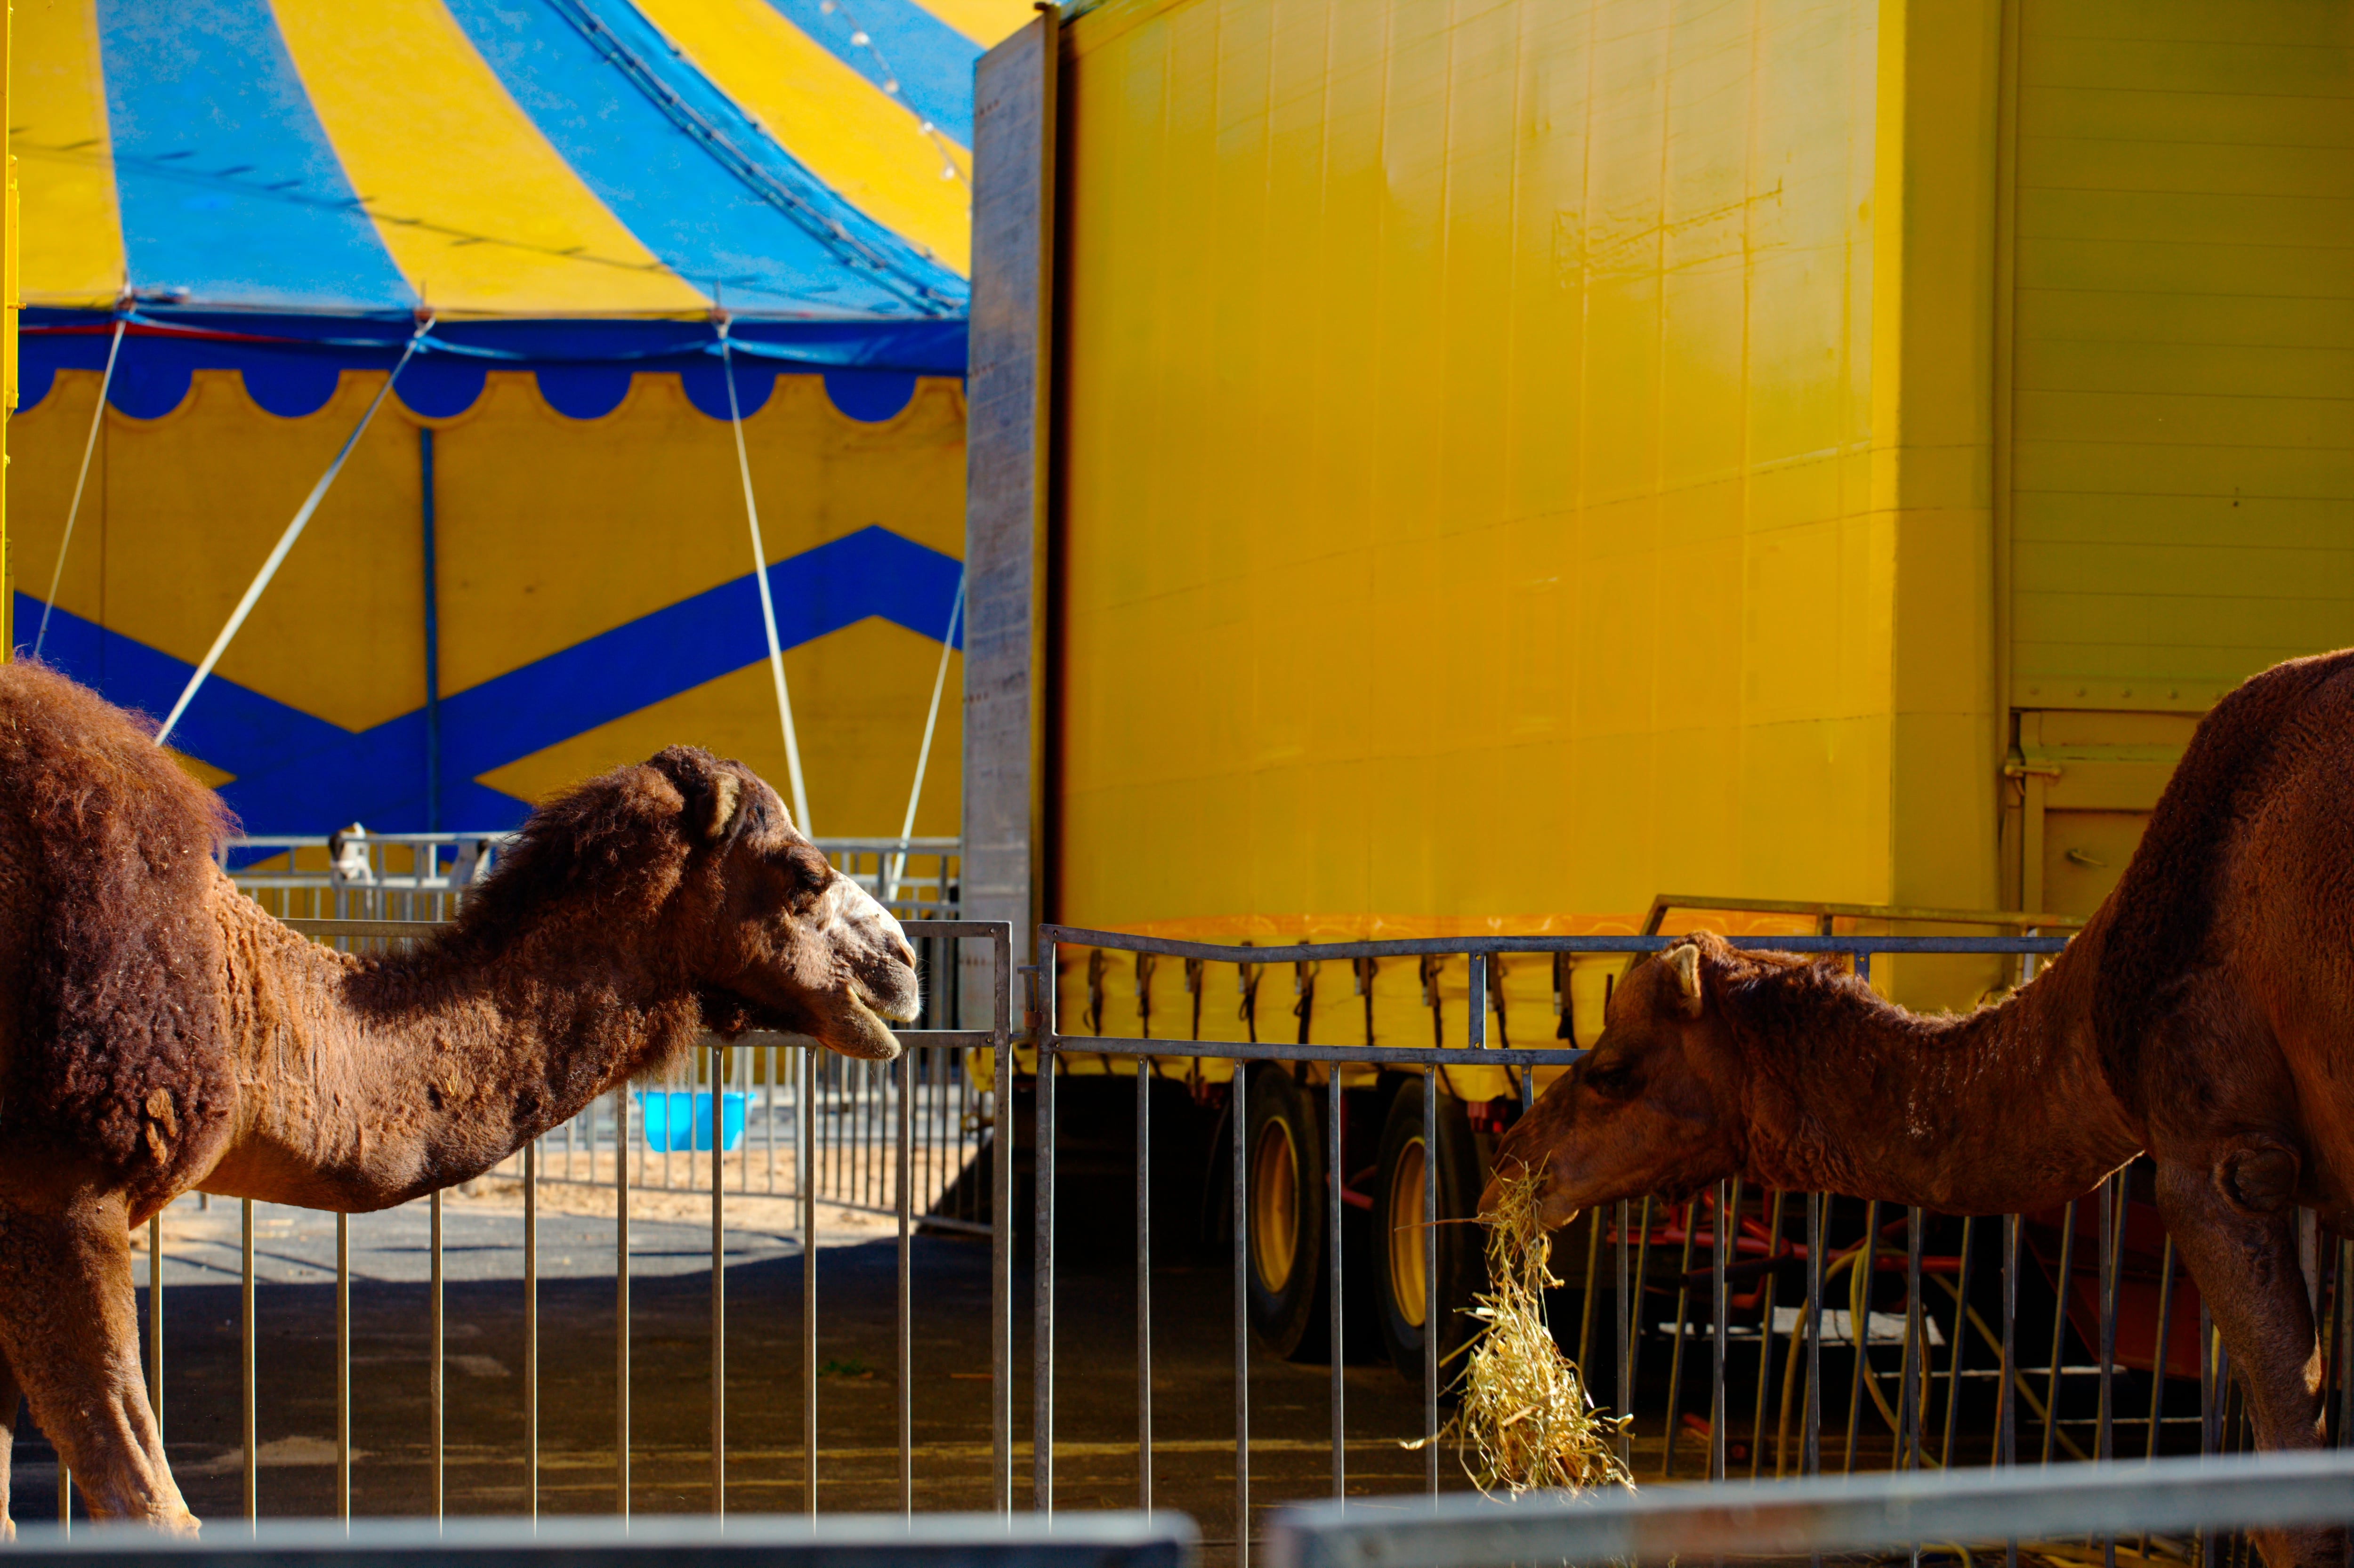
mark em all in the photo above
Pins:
pixel 678 1120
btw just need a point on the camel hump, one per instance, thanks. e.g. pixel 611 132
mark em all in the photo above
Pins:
pixel 114 956
pixel 2162 918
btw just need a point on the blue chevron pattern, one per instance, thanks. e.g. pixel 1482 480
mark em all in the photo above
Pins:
pixel 295 773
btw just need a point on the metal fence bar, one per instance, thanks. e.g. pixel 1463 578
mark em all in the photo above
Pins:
pixel 1768 1283
pixel 440 1368
pixel 344 1369
pixel 1911 1376
pixel 1335 1168
pixel 2060 1326
pixel 1828 1514
pixel 1676 1355
pixel 1956 1343
pixel 1000 1230
pixel 622 1302
pixel 1042 1347
pixel 719 1282
pixel 531 1328
pixel 246 1362
pixel 1859 1329
pixel 1237 1122
pixel 907 1195
pixel 1430 1325
pixel 1817 1240
pixel 807 1094
pixel 1728 1206
pixel 1144 1285
pixel 938 1540
pixel 1627 1325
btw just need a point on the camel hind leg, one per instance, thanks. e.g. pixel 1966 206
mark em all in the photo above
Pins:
pixel 69 1333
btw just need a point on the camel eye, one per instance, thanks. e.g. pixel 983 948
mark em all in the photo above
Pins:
pixel 1612 1075
pixel 807 868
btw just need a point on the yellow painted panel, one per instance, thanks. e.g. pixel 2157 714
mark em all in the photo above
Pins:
pixel 480 213
pixel 611 519
pixel 2185 348
pixel 71 241
pixel 1468 475
pixel 859 698
pixel 867 148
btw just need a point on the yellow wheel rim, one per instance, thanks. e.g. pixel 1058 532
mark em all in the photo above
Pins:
pixel 1275 1205
pixel 1406 1234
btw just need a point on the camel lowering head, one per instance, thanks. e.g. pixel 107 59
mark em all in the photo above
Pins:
pixel 746 913
pixel 1657 1107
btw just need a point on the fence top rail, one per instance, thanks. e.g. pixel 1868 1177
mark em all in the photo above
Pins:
pixel 1832 1513
pixel 1450 946
pixel 1910 912
pixel 330 929
pixel 1162 1539
pixel 1468 1055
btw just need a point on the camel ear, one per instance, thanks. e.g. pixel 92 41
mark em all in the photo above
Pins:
pixel 1685 961
pixel 726 790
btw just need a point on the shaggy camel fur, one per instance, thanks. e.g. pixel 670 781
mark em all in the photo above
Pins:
pixel 2204 1014
pixel 159 1032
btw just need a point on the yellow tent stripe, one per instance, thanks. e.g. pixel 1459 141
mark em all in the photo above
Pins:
pixel 865 146
pixel 985 22
pixel 72 233
pixel 479 211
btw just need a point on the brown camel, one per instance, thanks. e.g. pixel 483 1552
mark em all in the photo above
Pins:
pixel 2205 1014
pixel 159 1032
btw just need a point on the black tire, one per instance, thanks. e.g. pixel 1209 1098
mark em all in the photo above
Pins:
pixel 1285 1260
pixel 1397 1254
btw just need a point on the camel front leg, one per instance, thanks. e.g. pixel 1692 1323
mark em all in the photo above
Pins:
pixel 69 1331
pixel 2245 1259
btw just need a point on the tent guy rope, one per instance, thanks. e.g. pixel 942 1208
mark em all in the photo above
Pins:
pixel 286 540
pixel 89 445
pixel 767 604
pixel 924 752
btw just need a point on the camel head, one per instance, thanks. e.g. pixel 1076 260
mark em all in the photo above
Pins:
pixel 694 862
pixel 789 943
pixel 1653 1108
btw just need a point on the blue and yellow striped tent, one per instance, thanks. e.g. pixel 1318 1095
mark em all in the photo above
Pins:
pixel 536 563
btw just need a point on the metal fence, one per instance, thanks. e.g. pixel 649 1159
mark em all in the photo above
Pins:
pixel 891 1136
pixel 2092 1506
pixel 1765 1285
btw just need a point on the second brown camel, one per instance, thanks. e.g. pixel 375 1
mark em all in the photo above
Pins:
pixel 2205 1015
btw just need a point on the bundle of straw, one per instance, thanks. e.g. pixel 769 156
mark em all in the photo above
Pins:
pixel 1526 1421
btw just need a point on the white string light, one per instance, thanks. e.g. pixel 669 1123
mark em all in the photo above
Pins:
pixel 862 39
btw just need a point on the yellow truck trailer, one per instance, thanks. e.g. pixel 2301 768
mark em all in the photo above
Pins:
pixel 1452 467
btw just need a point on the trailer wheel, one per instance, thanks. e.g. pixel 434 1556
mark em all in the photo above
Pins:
pixel 1397 1229
pixel 1287 1244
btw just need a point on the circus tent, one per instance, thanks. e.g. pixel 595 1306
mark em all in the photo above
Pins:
pixel 238 217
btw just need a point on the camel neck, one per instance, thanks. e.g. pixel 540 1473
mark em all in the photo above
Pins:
pixel 2000 1110
pixel 365 1082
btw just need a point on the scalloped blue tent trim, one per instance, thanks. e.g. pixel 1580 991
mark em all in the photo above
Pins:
pixel 289 361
